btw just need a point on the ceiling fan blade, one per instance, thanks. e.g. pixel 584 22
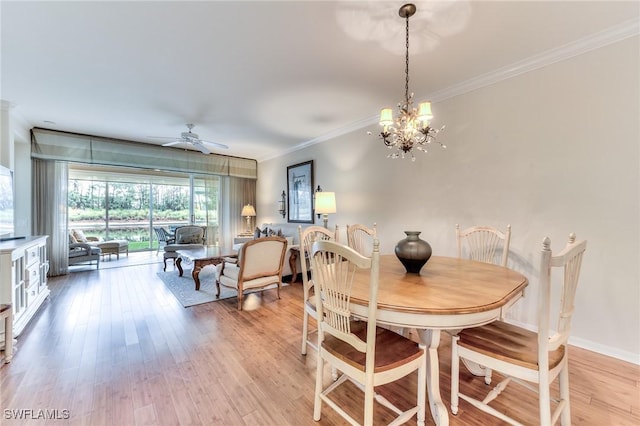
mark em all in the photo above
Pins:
pixel 215 144
pixel 201 147
pixel 172 143
pixel 163 137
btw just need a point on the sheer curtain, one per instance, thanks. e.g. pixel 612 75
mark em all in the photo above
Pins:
pixel 49 211
pixel 234 194
pixel 211 185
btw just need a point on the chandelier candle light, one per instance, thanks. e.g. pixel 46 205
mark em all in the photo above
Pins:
pixel 411 128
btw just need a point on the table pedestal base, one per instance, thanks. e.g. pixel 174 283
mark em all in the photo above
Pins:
pixel 431 338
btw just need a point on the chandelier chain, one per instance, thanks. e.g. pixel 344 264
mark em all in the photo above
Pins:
pixel 406 84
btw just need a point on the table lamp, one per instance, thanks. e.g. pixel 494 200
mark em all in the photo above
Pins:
pixel 325 204
pixel 248 211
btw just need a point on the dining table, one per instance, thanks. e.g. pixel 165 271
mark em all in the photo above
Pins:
pixel 447 294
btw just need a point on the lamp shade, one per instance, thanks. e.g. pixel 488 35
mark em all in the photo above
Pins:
pixel 424 111
pixel 248 210
pixel 325 202
pixel 386 117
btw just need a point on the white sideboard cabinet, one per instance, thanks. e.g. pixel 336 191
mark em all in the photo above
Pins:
pixel 23 279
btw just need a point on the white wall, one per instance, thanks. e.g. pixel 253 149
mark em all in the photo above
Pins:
pixel 15 150
pixel 550 152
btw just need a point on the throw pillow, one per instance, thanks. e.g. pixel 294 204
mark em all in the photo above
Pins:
pixel 279 233
pixel 80 237
pixel 256 233
pixel 189 239
pixel 72 239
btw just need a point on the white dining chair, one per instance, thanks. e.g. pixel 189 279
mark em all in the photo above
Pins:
pixel 307 237
pixel 360 238
pixel 365 354
pixel 523 356
pixel 481 243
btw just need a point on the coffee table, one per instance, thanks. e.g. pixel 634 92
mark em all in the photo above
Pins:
pixel 208 255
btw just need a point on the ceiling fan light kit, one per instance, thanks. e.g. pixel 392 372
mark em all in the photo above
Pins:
pixel 193 139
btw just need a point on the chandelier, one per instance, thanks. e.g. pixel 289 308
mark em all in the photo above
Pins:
pixel 411 127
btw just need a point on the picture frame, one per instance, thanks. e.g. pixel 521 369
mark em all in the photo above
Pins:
pixel 300 192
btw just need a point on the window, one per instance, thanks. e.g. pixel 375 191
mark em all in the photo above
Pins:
pixel 124 203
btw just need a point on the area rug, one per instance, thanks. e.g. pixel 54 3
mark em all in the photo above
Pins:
pixel 184 288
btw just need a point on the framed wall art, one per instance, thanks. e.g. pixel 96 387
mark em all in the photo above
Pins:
pixel 300 192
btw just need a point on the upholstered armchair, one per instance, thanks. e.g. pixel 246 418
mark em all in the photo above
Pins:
pixel 185 238
pixel 259 265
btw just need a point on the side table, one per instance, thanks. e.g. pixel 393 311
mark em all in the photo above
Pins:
pixel 293 262
pixel 240 239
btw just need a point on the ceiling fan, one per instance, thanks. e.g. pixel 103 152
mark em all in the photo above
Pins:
pixel 193 139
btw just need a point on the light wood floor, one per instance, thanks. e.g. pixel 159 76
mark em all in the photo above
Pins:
pixel 114 347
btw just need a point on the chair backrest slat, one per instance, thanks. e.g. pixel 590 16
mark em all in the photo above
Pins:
pixel 360 238
pixel 482 243
pixel 307 237
pixel 570 261
pixel 334 267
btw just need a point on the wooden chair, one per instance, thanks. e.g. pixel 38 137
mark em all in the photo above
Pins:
pixel 307 237
pixel 367 355
pixel 259 265
pixel 482 243
pixel 523 356
pixel 360 238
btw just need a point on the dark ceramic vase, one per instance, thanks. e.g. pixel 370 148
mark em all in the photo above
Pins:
pixel 413 252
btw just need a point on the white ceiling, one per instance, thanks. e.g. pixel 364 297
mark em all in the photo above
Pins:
pixel 266 77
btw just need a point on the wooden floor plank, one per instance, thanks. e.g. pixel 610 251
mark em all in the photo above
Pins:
pixel 114 347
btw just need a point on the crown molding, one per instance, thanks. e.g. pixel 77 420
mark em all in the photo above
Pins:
pixel 351 127
pixel 595 41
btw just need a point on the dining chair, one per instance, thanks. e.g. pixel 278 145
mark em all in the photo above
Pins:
pixel 525 356
pixel 307 237
pixel 482 242
pixel 365 354
pixel 259 265
pixel 360 238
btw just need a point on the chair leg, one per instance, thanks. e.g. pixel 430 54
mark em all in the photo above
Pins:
pixel 544 393
pixel 305 331
pixel 369 394
pixel 565 417
pixel 455 374
pixel 422 390
pixel 239 300
pixel 317 401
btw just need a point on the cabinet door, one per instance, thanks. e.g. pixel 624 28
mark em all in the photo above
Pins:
pixel 44 267
pixel 18 274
